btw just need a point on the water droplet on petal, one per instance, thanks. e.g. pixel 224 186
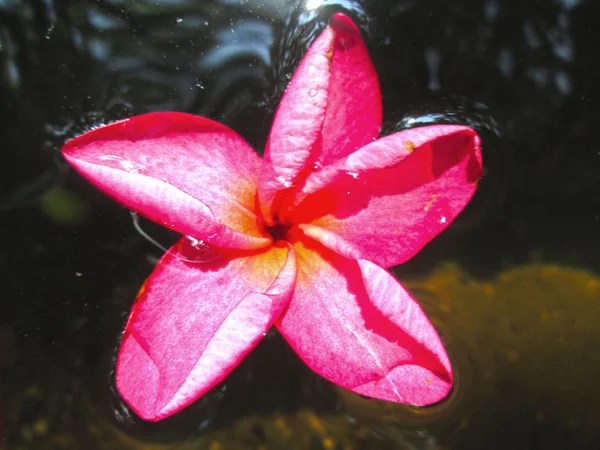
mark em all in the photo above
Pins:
pixel 130 167
pixel 353 175
pixel 443 219
pixel 313 92
pixel 197 251
pixel 110 158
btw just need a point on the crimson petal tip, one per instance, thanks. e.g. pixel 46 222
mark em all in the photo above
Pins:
pixel 341 22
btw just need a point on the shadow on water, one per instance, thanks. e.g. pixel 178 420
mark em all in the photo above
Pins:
pixel 512 286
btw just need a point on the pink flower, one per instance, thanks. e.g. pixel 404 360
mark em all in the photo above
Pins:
pixel 298 240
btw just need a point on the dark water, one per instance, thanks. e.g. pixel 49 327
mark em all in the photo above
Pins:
pixel 513 285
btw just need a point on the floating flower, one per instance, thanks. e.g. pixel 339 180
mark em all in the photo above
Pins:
pixel 298 240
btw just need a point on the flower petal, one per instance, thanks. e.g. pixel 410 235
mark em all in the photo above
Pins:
pixel 331 107
pixel 193 323
pixel 391 197
pixel 186 172
pixel 354 324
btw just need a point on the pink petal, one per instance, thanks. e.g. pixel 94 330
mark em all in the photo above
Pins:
pixel 391 197
pixel 331 107
pixel 193 323
pixel 354 324
pixel 186 172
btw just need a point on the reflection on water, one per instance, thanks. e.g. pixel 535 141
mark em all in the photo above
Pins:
pixel 513 284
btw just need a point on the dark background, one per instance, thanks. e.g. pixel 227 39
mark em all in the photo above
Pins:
pixel 524 74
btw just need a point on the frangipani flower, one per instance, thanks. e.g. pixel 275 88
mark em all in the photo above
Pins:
pixel 299 240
